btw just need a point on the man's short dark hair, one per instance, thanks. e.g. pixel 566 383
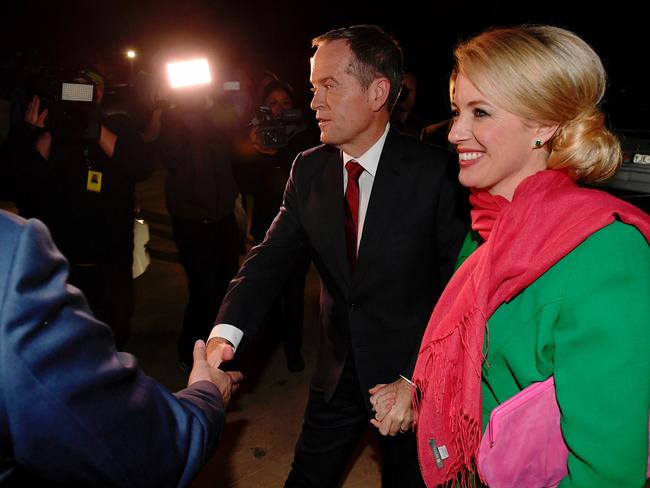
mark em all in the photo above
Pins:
pixel 375 54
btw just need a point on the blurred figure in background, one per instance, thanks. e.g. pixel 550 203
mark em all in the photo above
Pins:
pixel 436 135
pixel 262 81
pixel 405 116
pixel 264 177
pixel 82 187
pixel 200 194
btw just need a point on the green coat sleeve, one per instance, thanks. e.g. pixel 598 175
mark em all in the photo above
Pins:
pixel 602 360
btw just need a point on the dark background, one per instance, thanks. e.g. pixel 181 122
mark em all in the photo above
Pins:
pixel 276 35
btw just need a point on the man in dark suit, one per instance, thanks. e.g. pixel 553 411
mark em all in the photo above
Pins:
pixel 376 211
pixel 73 410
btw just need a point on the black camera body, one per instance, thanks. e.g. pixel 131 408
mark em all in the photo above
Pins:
pixel 275 133
pixel 70 96
pixel 75 116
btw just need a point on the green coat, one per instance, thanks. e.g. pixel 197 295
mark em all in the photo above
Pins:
pixel 586 321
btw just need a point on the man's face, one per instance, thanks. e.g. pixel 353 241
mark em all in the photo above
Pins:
pixel 344 110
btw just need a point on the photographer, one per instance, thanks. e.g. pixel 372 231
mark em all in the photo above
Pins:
pixel 81 183
pixel 200 194
pixel 264 176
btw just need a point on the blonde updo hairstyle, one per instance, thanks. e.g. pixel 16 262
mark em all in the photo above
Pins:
pixel 551 76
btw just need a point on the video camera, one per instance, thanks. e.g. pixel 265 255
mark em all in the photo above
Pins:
pixel 74 115
pixel 67 93
pixel 275 133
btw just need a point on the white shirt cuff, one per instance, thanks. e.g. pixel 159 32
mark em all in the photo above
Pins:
pixel 228 332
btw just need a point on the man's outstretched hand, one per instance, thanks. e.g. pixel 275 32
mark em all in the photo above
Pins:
pixel 226 381
pixel 219 350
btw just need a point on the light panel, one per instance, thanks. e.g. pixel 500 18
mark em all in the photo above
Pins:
pixel 189 73
pixel 77 92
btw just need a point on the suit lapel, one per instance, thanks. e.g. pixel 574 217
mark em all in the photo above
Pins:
pixel 328 202
pixel 381 207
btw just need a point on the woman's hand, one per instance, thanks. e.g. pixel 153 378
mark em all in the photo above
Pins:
pixel 392 404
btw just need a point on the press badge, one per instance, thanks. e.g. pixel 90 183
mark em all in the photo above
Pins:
pixel 94 181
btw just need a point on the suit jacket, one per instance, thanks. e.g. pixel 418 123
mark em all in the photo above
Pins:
pixel 409 244
pixel 73 410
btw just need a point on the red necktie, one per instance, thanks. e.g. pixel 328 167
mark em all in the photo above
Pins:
pixel 351 205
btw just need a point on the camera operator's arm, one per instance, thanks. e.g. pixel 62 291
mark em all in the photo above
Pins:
pixel 30 159
pixel 107 140
pixel 43 142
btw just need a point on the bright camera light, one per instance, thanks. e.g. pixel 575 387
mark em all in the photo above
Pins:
pixel 188 73
pixel 130 54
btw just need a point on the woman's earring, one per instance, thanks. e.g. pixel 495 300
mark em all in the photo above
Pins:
pixel 538 143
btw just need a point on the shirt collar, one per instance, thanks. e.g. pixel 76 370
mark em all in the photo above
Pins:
pixel 370 159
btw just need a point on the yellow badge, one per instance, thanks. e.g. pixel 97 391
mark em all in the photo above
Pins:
pixel 94 181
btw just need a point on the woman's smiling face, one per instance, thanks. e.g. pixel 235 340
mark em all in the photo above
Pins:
pixel 496 148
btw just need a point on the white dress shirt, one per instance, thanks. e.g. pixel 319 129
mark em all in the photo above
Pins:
pixel 369 161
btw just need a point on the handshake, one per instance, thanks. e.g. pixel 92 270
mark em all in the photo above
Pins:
pixel 392 406
pixel 390 402
pixel 206 368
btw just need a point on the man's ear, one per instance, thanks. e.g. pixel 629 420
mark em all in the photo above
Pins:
pixel 378 93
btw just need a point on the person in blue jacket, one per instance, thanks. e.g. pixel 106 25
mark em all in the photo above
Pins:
pixel 73 410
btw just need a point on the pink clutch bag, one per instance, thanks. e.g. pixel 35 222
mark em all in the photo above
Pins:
pixel 523 443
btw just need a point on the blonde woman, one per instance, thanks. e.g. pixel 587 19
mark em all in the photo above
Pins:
pixel 556 280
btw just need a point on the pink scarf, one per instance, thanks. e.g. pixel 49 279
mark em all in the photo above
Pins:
pixel 548 217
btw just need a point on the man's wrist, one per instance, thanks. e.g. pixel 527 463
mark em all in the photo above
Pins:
pixel 222 340
pixel 227 332
pixel 36 130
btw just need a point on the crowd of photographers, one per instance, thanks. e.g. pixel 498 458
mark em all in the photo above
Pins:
pixel 79 142
pixel 73 149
